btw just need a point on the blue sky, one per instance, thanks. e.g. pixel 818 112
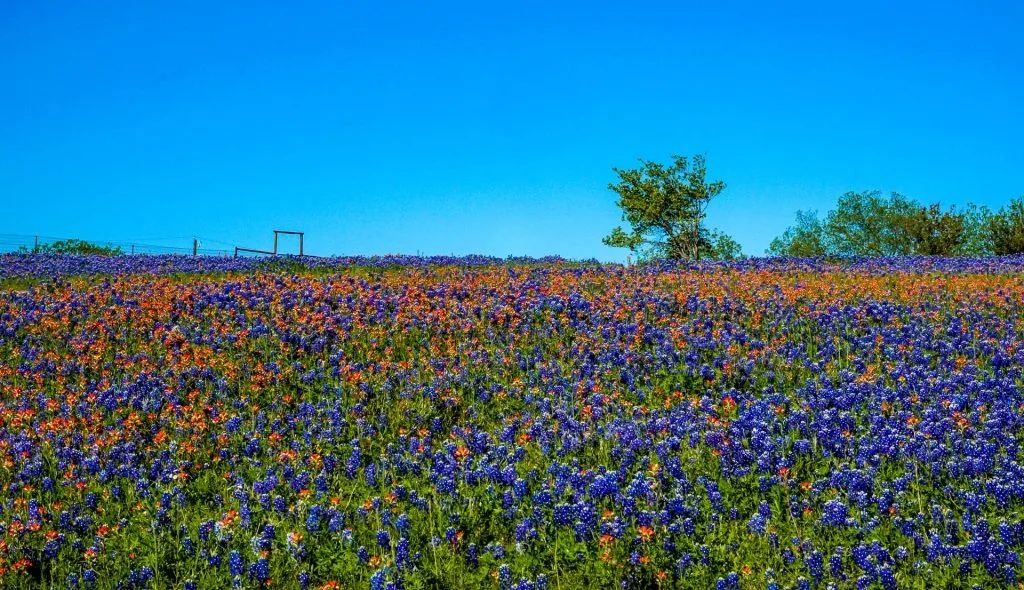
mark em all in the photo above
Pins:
pixel 441 127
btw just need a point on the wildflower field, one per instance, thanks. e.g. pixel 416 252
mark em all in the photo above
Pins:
pixel 172 422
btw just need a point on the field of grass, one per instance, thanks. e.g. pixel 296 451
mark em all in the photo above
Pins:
pixel 526 425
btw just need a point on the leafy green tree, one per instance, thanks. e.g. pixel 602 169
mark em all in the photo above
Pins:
pixel 665 207
pixel 721 246
pixel 869 224
pixel 977 240
pixel 1006 228
pixel 805 238
pixel 930 231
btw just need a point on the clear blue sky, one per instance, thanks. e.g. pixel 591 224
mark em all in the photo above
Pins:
pixel 443 127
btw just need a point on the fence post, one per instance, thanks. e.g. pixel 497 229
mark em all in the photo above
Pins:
pixel 35 248
pixel 195 246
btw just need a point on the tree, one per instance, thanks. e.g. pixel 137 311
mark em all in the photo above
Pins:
pixel 1006 228
pixel 806 238
pixel 721 246
pixel 665 207
pixel 977 239
pixel 869 224
pixel 930 231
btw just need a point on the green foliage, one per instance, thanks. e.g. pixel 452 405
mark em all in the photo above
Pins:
pixel 870 224
pixel 977 239
pixel 721 246
pixel 806 238
pixel 73 247
pixel 1006 228
pixel 665 207
pixel 930 231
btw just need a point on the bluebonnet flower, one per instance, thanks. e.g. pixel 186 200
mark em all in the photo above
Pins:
pixel 402 552
pixel 235 564
pixel 378 580
pixel 504 577
pixel 835 513
pixel 260 570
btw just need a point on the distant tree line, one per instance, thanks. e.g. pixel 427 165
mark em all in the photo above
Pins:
pixel 71 247
pixel 665 207
pixel 872 224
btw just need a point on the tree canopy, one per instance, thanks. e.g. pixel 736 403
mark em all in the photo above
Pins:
pixel 1006 228
pixel 871 224
pixel 805 238
pixel 665 207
